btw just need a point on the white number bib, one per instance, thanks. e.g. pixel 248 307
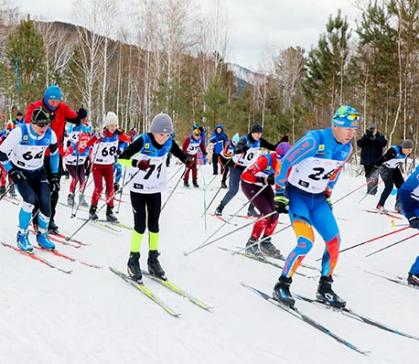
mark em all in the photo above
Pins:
pixel 105 152
pixel 193 148
pixel 247 158
pixel 394 163
pixel 152 180
pixel 73 160
pixel 313 174
pixel 28 157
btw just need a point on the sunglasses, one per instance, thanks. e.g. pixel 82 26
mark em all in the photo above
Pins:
pixel 351 117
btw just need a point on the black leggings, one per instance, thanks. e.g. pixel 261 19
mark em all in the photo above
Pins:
pixel 139 202
pixel 390 177
pixel 35 190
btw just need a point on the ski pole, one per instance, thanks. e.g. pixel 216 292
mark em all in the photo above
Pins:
pixel 174 189
pixel 205 203
pixel 229 233
pixel 350 193
pixel 120 191
pixel 389 246
pixel 370 240
pixel 174 174
pixel 67 238
pixel 227 221
pixel 77 175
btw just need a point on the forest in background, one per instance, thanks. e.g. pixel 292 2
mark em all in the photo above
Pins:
pixel 175 62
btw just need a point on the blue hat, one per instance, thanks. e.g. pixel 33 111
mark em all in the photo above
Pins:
pixel 346 117
pixel 53 92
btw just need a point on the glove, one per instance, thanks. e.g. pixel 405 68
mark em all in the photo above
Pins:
pixel 270 180
pixel 281 204
pixel 82 113
pixel 241 148
pixel 16 176
pixel 54 183
pixel 143 164
pixel 189 161
pixel 414 222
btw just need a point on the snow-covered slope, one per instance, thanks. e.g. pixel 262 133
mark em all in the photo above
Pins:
pixel 92 316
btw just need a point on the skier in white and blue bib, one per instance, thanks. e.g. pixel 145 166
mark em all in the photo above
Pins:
pixel 22 155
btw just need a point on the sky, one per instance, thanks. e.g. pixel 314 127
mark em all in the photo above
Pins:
pixel 255 28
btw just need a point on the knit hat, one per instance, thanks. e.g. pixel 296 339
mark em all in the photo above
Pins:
pixel 111 119
pixel 282 148
pixel 372 126
pixel 407 144
pixel 40 117
pixel 84 137
pixel 161 124
pixel 52 92
pixel 256 128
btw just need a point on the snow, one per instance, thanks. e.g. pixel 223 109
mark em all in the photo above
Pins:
pixel 92 316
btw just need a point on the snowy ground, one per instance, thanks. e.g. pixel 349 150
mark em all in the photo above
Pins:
pixel 92 316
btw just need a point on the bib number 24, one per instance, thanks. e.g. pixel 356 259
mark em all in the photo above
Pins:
pixel 320 174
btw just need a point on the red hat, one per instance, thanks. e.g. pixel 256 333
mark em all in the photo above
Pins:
pixel 84 137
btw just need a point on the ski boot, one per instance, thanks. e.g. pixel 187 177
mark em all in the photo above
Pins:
pixel 110 217
pixel 2 190
pixel 82 201
pixel 282 292
pixel 380 208
pixel 223 185
pixel 326 295
pixel 218 210
pixel 251 211
pixel 133 267
pixel 70 199
pixel 267 248
pixel 52 227
pixel 23 242
pixel 186 184
pixel 154 267
pixel 252 247
pixel 413 279
pixel 195 183
pixel 92 213
pixel 44 242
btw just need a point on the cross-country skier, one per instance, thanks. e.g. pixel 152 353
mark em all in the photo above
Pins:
pixel 104 155
pixel 307 176
pixel 409 203
pixel 75 157
pixel 149 179
pixel 59 113
pixel 219 139
pixel 192 145
pixel 390 164
pixel 22 154
pixel 259 176
pixel 226 158
pixel 245 153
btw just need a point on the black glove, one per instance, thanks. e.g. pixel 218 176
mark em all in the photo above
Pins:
pixel 241 148
pixel 189 161
pixel 54 183
pixel 270 180
pixel 414 222
pixel 82 113
pixel 16 176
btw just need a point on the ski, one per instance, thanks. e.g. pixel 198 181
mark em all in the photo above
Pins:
pixel 386 213
pixel 398 280
pixel 307 319
pixel 56 240
pixel 174 288
pixel 262 259
pixel 67 257
pixel 36 258
pixel 118 224
pixel 223 220
pixel 146 291
pixel 12 200
pixel 356 316
pixel 102 224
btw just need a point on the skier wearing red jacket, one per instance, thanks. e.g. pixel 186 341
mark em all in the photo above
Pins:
pixel 105 152
pixel 191 146
pixel 256 180
pixel 59 113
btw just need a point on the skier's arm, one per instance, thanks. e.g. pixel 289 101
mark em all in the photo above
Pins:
pixel 7 146
pixel 177 152
pixel 54 159
pixel 125 157
pixel 306 147
pixel 185 144
pixel 335 176
pixel 249 174
pixel 267 145
pixel 70 115
pixel 390 154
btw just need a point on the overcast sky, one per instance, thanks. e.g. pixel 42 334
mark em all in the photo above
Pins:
pixel 254 26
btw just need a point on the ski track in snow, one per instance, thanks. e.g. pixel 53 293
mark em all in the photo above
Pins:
pixel 92 316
